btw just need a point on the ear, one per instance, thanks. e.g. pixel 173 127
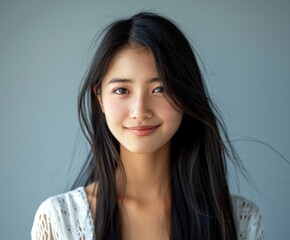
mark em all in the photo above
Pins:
pixel 99 96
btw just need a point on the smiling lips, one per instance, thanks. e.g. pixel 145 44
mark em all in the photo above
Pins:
pixel 142 130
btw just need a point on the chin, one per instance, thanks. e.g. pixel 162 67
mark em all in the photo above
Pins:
pixel 147 149
pixel 141 151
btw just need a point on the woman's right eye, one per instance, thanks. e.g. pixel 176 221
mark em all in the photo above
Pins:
pixel 121 91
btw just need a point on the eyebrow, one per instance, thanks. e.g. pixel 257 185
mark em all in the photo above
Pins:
pixel 127 80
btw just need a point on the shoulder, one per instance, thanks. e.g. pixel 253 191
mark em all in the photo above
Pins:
pixel 248 219
pixel 66 204
pixel 62 215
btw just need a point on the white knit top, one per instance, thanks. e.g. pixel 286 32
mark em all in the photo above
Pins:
pixel 68 216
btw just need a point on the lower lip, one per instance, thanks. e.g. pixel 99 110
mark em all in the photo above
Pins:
pixel 142 132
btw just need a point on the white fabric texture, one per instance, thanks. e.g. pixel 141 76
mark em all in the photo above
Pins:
pixel 68 216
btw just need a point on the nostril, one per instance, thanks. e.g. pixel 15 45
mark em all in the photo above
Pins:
pixel 140 115
pixel 140 109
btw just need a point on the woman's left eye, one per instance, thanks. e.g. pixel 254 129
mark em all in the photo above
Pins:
pixel 158 90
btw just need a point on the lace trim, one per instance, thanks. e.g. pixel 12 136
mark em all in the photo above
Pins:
pixel 249 219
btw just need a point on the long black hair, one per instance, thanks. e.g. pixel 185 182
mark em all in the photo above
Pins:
pixel 201 204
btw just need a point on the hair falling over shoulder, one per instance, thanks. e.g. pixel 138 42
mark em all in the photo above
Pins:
pixel 201 203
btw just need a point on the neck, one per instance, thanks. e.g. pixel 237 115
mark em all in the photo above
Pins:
pixel 147 175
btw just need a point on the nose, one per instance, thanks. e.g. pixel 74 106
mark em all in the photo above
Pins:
pixel 140 108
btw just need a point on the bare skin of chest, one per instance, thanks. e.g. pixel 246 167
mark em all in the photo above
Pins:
pixel 144 221
pixel 140 219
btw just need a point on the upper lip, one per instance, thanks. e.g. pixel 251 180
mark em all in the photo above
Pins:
pixel 142 127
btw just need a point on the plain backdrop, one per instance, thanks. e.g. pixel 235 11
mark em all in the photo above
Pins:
pixel 45 48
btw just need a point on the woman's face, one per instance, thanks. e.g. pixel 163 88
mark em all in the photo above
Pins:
pixel 135 105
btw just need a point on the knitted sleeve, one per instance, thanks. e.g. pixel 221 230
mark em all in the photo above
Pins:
pixel 46 223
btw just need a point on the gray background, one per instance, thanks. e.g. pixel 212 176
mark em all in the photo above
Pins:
pixel 45 47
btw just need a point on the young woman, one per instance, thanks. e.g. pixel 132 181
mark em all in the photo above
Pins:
pixel 157 167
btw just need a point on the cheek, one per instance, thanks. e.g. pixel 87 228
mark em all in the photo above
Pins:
pixel 114 111
pixel 170 113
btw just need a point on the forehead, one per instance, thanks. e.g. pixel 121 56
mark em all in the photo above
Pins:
pixel 133 60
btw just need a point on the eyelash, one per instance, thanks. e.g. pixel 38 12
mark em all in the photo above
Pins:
pixel 125 91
